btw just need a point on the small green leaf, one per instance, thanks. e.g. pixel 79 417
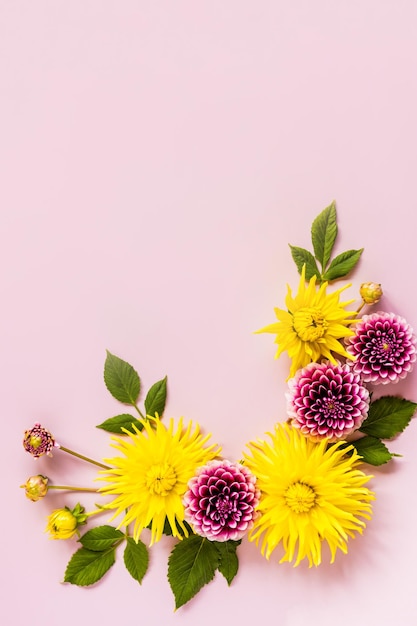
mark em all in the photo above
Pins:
pixel 101 538
pixel 388 416
pixel 323 234
pixel 115 424
pixel 87 567
pixel 229 563
pixel 121 380
pixel 156 398
pixel 136 559
pixel 192 564
pixel 304 257
pixel 168 530
pixel 372 450
pixel 342 264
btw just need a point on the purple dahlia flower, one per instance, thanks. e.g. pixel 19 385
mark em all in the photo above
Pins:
pixel 327 401
pixel 220 501
pixel 38 441
pixel 384 348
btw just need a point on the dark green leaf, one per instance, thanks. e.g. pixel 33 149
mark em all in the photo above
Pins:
pixel 121 380
pixel 156 398
pixel 136 559
pixel 388 417
pixel 168 530
pixel 372 450
pixel 101 538
pixel 342 264
pixel 229 563
pixel 87 567
pixel 115 424
pixel 192 564
pixel 323 234
pixel 304 257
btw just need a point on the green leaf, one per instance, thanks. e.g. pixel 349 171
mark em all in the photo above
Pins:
pixel 388 417
pixel 136 559
pixel 156 398
pixel 372 450
pixel 168 530
pixel 121 380
pixel 101 538
pixel 115 424
pixel 342 264
pixel 304 257
pixel 192 564
pixel 87 567
pixel 323 234
pixel 229 563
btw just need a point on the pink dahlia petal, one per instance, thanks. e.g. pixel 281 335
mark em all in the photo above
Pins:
pixel 38 441
pixel 220 501
pixel 384 347
pixel 327 401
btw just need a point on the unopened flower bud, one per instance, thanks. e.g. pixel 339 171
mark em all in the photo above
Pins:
pixel 36 487
pixel 38 441
pixel 63 523
pixel 371 293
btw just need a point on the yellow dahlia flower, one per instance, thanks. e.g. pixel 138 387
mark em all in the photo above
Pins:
pixel 150 479
pixel 313 324
pixel 310 493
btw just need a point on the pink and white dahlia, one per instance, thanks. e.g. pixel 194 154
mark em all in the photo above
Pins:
pixel 38 441
pixel 220 501
pixel 327 401
pixel 384 348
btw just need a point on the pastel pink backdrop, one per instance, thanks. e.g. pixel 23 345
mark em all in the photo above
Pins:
pixel 156 160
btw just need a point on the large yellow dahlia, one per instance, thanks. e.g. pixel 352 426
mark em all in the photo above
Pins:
pixel 310 494
pixel 312 326
pixel 150 479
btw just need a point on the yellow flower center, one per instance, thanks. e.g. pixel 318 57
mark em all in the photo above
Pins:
pixel 160 479
pixel 309 324
pixel 35 441
pixel 300 498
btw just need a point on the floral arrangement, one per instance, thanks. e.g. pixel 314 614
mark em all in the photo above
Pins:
pixel 303 486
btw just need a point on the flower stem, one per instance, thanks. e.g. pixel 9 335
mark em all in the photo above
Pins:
pixel 361 306
pixel 71 488
pixel 84 458
pixel 139 411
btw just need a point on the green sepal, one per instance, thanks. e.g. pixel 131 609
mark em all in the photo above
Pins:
pixel 372 450
pixel 342 264
pixel 323 234
pixel 117 423
pixel 302 257
pixel 388 416
pixel 136 559
pixel 167 530
pixel 87 567
pixel 156 398
pixel 101 538
pixel 121 380
pixel 229 563
pixel 192 564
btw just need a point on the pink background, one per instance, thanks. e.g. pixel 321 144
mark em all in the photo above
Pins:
pixel 156 160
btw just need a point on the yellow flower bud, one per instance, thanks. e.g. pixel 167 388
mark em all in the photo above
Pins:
pixel 36 487
pixel 62 524
pixel 371 293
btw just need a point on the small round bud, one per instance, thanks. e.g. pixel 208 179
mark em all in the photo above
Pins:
pixel 63 523
pixel 371 293
pixel 36 487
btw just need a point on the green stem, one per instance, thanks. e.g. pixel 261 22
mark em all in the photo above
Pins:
pixel 361 306
pixel 84 458
pixel 139 411
pixel 70 488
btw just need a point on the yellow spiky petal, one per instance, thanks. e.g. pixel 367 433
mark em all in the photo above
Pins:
pixel 310 493
pixel 150 479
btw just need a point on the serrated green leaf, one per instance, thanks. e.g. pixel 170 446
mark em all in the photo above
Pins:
pixel 304 257
pixel 121 380
pixel 101 538
pixel 115 424
pixel 372 450
pixel 156 398
pixel 323 234
pixel 342 264
pixel 229 563
pixel 192 564
pixel 388 416
pixel 87 567
pixel 136 559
